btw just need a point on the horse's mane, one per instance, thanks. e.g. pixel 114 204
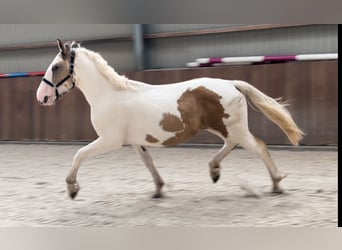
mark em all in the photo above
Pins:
pixel 119 81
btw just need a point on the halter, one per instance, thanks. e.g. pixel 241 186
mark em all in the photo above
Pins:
pixel 71 72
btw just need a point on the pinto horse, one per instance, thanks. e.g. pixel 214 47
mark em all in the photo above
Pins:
pixel 124 111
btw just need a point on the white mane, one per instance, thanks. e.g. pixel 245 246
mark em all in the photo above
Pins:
pixel 119 81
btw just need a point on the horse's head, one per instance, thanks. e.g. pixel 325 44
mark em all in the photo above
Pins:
pixel 59 77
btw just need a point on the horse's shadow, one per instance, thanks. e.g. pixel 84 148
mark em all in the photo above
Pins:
pixel 187 209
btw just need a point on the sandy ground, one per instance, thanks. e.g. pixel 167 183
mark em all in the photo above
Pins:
pixel 116 188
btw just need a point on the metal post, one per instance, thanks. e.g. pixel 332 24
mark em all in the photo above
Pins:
pixel 139 46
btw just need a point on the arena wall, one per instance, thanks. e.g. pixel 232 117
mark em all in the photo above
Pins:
pixel 310 87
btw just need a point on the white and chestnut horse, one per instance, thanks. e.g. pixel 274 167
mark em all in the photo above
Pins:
pixel 124 111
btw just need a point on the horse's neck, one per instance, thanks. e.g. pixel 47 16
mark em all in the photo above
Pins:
pixel 96 86
pixel 91 82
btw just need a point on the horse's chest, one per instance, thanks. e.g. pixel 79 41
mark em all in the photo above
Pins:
pixel 106 119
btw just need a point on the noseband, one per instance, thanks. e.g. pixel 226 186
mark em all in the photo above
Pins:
pixel 61 82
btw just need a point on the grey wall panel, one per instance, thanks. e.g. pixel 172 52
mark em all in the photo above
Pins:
pixel 176 52
pixel 119 55
pixel 11 34
pixel 162 52
pixel 160 28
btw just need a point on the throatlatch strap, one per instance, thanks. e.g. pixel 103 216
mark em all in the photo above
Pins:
pixel 71 70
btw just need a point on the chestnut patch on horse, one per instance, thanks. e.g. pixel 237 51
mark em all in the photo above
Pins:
pixel 200 108
pixel 171 123
pixel 151 139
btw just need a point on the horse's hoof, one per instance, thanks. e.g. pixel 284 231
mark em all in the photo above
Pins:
pixel 216 178
pixel 73 189
pixel 157 196
pixel 277 190
pixel 214 171
pixel 73 195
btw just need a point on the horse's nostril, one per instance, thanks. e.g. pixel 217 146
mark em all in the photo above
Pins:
pixel 45 99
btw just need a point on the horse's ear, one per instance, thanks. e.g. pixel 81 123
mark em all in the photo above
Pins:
pixel 61 47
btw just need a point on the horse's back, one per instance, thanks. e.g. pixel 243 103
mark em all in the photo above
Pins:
pixel 224 88
pixel 215 84
pixel 196 92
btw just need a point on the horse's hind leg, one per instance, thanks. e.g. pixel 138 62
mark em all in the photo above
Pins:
pixel 214 164
pixel 258 147
pixel 147 159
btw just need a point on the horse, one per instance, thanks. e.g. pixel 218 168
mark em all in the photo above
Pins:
pixel 129 112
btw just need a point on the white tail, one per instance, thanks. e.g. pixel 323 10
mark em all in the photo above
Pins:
pixel 273 110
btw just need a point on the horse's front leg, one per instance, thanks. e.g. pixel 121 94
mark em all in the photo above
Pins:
pixel 97 147
pixel 147 159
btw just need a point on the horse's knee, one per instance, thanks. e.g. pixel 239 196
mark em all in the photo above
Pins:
pixel 79 156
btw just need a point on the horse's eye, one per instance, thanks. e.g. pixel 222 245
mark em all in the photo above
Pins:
pixel 55 68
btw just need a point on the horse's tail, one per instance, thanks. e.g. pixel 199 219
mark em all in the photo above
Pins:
pixel 272 109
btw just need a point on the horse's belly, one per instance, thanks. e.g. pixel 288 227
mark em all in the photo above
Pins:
pixel 154 137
